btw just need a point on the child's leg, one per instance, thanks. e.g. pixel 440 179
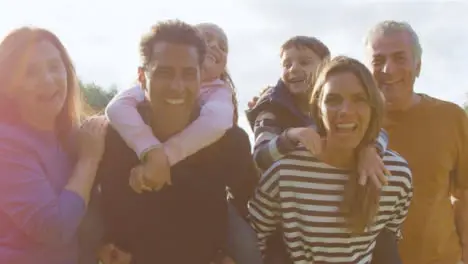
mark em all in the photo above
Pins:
pixel 242 243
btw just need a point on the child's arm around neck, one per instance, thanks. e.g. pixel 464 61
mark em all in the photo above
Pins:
pixel 123 115
pixel 216 117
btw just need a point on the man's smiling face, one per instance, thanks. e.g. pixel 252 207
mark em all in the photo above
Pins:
pixel 173 77
pixel 394 66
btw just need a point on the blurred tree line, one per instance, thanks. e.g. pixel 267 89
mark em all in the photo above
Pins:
pixel 96 96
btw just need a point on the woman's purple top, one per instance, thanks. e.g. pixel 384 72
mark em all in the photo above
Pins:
pixel 39 219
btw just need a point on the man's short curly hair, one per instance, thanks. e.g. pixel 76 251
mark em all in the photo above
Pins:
pixel 171 31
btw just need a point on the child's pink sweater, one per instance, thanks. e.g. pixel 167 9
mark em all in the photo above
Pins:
pixel 216 116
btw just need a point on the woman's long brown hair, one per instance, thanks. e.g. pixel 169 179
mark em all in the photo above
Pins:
pixel 360 203
pixel 14 51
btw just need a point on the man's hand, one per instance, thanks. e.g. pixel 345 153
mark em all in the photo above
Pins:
pixel 307 136
pixel 156 169
pixel 110 254
pixel 370 165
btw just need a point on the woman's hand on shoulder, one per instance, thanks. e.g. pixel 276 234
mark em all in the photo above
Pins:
pixel 91 138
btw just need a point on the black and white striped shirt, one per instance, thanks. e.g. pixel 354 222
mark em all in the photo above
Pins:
pixel 303 196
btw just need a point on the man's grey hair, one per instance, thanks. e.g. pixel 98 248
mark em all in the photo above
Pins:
pixel 391 26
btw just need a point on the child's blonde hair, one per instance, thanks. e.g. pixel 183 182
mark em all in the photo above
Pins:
pixel 225 76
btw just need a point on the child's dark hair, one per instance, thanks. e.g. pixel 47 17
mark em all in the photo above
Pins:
pixel 311 43
pixel 172 31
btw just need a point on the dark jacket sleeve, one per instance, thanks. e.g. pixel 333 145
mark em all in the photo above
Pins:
pixel 386 249
pixel 241 173
pixel 263 101
pixel 270 141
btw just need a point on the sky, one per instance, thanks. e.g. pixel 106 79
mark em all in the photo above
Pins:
pixel 102 36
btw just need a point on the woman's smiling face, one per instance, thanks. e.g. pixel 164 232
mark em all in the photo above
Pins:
pixel 345 110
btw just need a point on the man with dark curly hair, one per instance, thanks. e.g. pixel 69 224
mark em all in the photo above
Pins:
pixel 186 221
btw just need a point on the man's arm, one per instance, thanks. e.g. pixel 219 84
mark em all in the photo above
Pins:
pixel 113 178
pixel 460 186
pixel 242 175
pixel 460 206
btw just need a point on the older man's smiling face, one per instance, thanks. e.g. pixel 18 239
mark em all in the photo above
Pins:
pixel 173 78
pixel 395 67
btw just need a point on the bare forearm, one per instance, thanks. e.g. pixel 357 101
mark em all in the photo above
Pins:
pixel 82 180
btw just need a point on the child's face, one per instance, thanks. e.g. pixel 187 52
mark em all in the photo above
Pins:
pixel 298 63
pixel 216 53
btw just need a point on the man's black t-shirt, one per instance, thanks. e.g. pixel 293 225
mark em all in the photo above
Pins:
pixel 182 223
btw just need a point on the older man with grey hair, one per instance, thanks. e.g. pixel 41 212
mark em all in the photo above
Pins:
pixel 433 137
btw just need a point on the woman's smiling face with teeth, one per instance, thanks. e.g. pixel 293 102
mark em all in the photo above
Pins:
pixel 345 110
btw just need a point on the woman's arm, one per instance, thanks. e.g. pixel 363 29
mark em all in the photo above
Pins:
pixel 264 208
pixel 91 137
pixel 386 249
pixel 45 214
pixel 124 117
pixel 216 117
pixel 28 199
pixel 402 206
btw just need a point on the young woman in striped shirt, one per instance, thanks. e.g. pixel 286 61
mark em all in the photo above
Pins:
pixel 325 215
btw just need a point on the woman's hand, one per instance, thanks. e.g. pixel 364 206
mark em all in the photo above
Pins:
pixel 91 138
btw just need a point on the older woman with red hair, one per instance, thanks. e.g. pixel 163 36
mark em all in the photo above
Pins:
pixel 45 182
